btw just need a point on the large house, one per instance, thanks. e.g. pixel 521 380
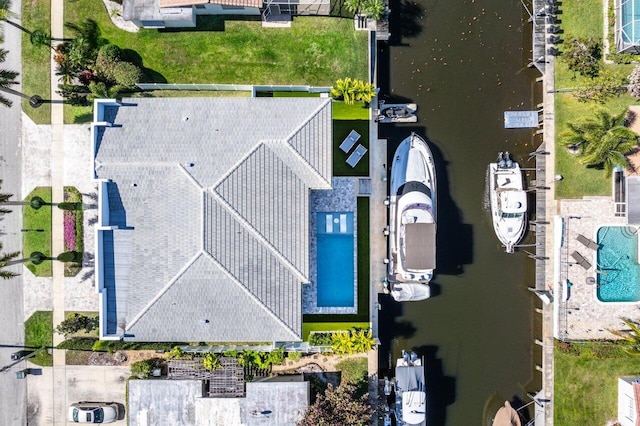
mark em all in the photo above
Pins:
pixel 202 234
pixel 183 13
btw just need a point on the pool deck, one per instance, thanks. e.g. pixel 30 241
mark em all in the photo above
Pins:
pixel 341 198
pixel 582 316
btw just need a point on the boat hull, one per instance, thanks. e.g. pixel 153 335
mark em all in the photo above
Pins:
pixel 397 113
pixel 410 390
pixel 508 204
pixel 412 219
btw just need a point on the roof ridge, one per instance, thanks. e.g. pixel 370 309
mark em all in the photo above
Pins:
pixel 249 293
pixel 166 288
pixel 257 235
pixel 298 129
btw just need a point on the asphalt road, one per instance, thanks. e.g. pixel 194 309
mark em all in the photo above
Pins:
pixel 13 392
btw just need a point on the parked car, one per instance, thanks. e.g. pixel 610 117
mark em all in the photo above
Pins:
pixel 19 355
pixel 93 412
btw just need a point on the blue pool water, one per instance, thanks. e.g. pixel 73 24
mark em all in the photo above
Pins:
pixel 335 259
pixel 619 277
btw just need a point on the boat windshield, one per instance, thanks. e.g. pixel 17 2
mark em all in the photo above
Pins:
pixel 510 215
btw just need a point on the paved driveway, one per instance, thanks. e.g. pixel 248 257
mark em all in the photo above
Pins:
pixel 83 383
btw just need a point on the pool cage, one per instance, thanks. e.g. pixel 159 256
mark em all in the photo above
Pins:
pixel 627 28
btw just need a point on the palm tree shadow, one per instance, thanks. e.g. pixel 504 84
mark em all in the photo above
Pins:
pixel 88 263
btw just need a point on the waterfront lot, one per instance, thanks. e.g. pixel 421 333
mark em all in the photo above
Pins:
pixel 586 382
pixel 583 18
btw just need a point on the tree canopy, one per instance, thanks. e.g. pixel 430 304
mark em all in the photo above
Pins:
pixel 602 139
pixel 338 406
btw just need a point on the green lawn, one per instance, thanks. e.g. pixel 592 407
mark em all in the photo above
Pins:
pixel 308 327
pixel 33 240
pixel 38 332
pixel 36 68
pixel 356 111
pixel 341 129
pixel 580 18
pixel 314 51
pixel 586 382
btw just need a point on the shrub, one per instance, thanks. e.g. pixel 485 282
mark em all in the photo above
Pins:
pixel 352 342
pixel 142 369
pixel 320 339
pixel 276 357
pixel 79 343
pixel 211 362
pixel 70 256
pixel 69 206
pixel 118 72
pixel 231 354
pixel 294 356
pixel 353 371
pixel 176 352
pixel 106 346
pixel 109 52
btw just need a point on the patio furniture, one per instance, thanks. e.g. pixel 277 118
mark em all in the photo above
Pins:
pixel 350 141
pixel 580 260
pixel 587 242
pixel 356 155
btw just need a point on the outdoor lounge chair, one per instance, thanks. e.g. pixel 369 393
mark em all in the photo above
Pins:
pixel 580 260
pixel 587 242
pixel 350 141
pixel 356 155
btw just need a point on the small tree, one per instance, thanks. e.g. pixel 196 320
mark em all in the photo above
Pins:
pixel 338 406
pixel 75 323
pixel 601 88
pixel 582 55
pixel 40 38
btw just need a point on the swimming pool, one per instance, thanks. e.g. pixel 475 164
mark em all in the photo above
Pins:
pixel 335 257
pixel 619 271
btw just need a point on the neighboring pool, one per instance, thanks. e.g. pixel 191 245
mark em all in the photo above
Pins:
pixel 335 257
pixel 619 271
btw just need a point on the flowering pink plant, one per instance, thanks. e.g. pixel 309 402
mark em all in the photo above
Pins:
pixel 69 230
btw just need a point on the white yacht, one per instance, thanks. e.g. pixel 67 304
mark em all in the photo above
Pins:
pixel 412 220
pixel 411 391
pixel 508 201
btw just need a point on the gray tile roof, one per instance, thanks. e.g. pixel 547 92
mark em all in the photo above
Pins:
pixel 215 192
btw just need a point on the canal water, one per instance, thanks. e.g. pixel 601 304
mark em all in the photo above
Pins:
pixel 464 62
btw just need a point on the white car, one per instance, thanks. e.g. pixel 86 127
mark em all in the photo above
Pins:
pixel 93 412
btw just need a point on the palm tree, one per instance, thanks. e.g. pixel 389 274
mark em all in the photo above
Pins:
pixel 374 9
pixel 631 338
pixel 8 78
pixel 37 37
pixel 5 260
pixel 364 91
pixel 353 6
pixel 602 139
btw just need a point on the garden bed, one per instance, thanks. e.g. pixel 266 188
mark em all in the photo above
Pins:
pixel 73 230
